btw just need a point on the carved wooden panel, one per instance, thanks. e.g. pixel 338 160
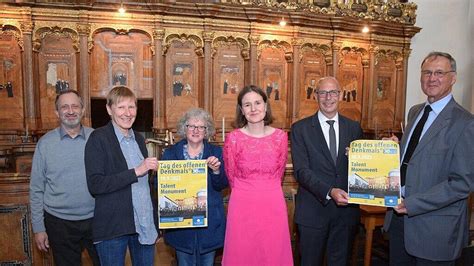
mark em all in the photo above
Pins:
pixel 312 68
pixel 14 220
pixel 273 79
pixel 57 71
pixel 383 96
pixel 228 75
pixel 350 76
pixel 17 245
pixel 182 90
pixel 11 87
pixel 121 59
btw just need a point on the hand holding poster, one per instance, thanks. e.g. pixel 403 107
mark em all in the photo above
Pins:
pixel 374 173
pixel 182 194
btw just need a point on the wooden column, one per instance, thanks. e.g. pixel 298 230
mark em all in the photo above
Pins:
pixel 336 47
pixel 208 36
pixel 254 39
pixel 296 42
pixel 84 90
pixel 402 89
pixel 29 101
pixel 368 70
pixel 159 78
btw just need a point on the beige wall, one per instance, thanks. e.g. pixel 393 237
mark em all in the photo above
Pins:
pixel 447 25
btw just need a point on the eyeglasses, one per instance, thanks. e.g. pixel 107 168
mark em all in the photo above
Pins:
pixel 437 73
pixel 193 127
pixel 333 93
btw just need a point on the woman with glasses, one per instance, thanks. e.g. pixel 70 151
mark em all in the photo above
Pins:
pixel 255 156
pixel 197 246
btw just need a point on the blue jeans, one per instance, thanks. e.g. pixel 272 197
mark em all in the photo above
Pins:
pixel 112 252
pixel 186 259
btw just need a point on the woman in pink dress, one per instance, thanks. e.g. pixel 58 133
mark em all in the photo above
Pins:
pixel 255 156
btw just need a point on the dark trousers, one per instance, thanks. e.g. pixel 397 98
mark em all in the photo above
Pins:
pixel 398 254
pixel 67 239
pixel 335 239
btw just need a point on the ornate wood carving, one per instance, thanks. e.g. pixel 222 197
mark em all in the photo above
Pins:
pixel 228 75
pixel 57 33
pixel 273 77
pixel 312 67
pixel 182 68
pixel 57 67
pixel 350 76
pixel 122 58
pixel 383 97
pixel 11 92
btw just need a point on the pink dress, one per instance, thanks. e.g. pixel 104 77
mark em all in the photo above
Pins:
pixel 257 221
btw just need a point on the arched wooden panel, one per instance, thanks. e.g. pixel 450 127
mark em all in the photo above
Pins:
pixel 273 79
pixel 228 75
pixel 312 68
pixel 11 86
pixel 122 59
pixel 182 90
pixel 57 72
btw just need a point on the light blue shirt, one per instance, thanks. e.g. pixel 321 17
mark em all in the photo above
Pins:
pixel 436 107
pixel 141 198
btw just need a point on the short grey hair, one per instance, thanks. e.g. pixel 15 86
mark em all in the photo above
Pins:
pixel 200 114
pixel 435 54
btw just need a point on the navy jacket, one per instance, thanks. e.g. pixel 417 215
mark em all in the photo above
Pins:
pixel 208 238
pixel 109 181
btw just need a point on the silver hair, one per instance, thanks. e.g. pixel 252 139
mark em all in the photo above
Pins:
pixel 323 79
pixel 435 54
pixel 200 114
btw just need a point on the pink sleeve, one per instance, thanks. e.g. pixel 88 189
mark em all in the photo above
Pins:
pixel 283 154
pixel 229 158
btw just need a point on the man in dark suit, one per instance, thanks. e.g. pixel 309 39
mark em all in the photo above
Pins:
pixel 430 226
pixel 326 222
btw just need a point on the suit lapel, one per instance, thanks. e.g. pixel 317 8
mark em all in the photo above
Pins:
pixel 318 133
pixel 438 124
pixel 343 138
pixel 410 125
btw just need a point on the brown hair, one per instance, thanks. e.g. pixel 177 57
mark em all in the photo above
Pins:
pixel 116 94
pixel 240 120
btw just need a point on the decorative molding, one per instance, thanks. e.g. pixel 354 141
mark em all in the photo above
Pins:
pixel 395 56
pixel 363 53
pixel 196 40
pixel 322 49
pixel 57 32
pixel 25 232
pixel 121 29
pixel 222 41
pixel 275 44
pixel 15 32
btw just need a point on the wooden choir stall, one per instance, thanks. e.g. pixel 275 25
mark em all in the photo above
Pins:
pixel 179 54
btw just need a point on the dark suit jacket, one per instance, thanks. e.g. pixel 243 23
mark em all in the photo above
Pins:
pixel 438 181
pixel 109 181
pixel 316 173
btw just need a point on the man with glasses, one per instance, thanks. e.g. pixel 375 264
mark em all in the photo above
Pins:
pixel 326 222
pixel 430 226
pixel 61 206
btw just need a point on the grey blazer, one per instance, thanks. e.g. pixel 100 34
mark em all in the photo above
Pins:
pixel 438 181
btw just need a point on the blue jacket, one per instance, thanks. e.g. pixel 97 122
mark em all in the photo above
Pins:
pixel 211 237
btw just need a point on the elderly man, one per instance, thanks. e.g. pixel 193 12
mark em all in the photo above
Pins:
pixel 61 205
pixel 430 226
